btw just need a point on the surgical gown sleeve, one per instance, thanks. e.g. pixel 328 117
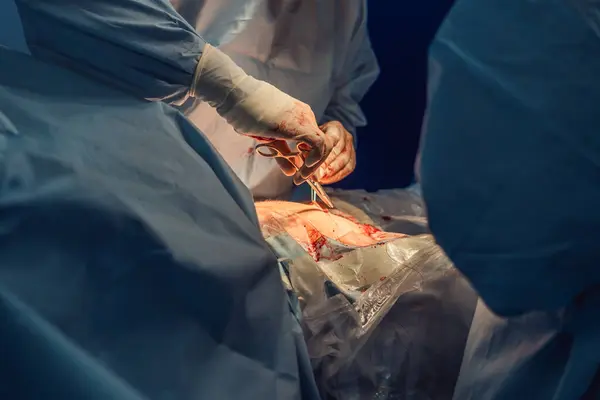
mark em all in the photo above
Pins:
pixel 358 73
pixel 510 166
pixel 141 46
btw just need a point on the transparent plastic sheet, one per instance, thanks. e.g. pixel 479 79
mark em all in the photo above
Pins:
pixel 394 210
pixel 385 321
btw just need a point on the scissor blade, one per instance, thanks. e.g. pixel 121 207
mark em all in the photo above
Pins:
pixel 320 192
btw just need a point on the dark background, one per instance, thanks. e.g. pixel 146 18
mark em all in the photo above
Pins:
pixel 400 33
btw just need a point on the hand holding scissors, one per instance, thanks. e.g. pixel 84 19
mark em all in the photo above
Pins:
pixel 287 158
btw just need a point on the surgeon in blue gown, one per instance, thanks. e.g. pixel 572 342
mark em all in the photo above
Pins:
pixel 146 49
pixel 132 265
pixel 511 177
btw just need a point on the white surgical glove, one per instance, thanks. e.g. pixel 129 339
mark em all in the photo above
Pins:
pixel 342 160
pixel 258 109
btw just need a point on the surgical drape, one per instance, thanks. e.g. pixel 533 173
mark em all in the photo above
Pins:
pixel 510 171
pixel 132 265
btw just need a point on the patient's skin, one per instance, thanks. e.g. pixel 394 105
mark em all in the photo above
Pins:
pixel 312 226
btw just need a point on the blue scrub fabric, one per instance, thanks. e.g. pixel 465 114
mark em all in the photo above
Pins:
pixel 141 46
pixel 131 262
pixel 511 179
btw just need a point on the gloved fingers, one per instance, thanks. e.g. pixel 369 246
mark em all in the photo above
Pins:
pixel 342 159
pixel 339 168
pixel 305 171
pixel 301 126
pixel 312 142
pixel 320 149
pixel 298 123
pixel 335 132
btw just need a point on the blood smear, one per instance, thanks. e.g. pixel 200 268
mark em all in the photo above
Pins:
pixel 316 229
pixel 317 246
pixel 261 138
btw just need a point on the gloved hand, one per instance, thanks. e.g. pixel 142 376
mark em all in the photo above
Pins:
pixel 339 164
pixel 342 160
pixel 258 109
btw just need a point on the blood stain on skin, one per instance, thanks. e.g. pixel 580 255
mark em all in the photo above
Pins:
pixel 369 230
pixel 318 247
pixel 321 240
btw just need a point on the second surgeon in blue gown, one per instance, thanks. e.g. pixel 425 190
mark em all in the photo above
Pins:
pixel 511 178
pixel 132 265
pixel 147 50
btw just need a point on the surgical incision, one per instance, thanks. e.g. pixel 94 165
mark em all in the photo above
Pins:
pixel 314 228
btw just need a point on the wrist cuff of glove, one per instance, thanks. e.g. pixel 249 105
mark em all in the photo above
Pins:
pixel 217 78
pixel 248 104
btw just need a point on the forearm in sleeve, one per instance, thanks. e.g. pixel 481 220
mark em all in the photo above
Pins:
pixel 143 47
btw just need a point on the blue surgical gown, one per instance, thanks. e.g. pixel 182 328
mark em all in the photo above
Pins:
pixel 131 262
pixel 511 178
pixel 141 46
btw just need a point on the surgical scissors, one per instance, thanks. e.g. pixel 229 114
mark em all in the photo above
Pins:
pixel 270 151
